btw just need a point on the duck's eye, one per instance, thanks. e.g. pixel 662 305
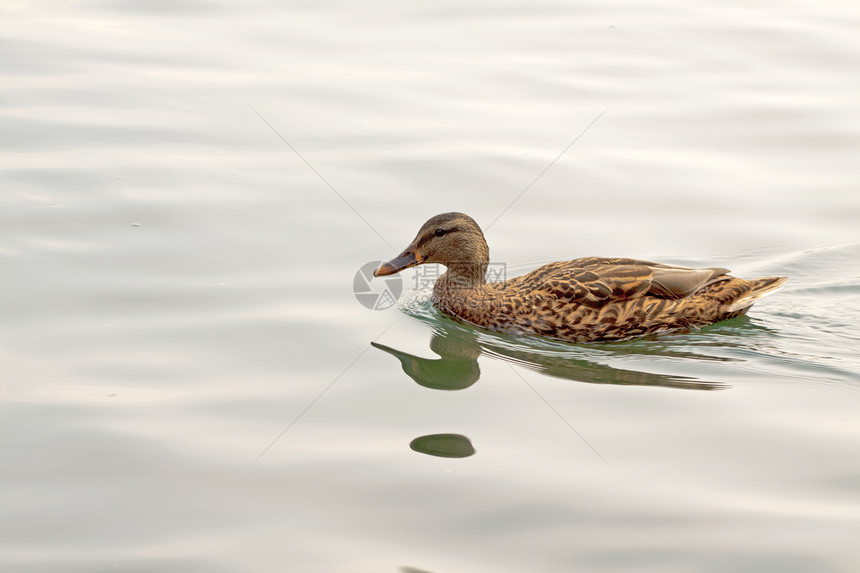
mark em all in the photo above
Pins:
pixel 439 232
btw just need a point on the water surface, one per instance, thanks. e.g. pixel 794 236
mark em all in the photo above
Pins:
pixel 188 382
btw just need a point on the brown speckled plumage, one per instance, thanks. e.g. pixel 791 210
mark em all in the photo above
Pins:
pixel 583 300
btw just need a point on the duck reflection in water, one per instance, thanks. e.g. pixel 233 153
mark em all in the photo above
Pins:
pixel 459 346
pixel 456 369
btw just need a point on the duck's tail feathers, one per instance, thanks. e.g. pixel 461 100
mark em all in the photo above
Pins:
pixel 761 288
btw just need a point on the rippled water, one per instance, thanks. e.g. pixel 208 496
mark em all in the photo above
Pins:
pixel 188 383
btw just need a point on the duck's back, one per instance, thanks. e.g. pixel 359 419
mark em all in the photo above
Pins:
pixel 594 298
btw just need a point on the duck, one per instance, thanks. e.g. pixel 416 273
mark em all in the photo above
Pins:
pixel 590 299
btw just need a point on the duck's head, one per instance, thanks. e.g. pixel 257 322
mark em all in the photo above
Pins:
pixel 451 239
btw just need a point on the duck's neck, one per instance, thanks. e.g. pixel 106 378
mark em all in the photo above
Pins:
pixel 466 274
pixel 458 290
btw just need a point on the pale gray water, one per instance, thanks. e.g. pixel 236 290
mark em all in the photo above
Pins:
pixel 177 286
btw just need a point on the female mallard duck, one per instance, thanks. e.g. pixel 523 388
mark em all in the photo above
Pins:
pixel 583 300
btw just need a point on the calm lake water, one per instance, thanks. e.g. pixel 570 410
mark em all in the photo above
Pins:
pixel 188 382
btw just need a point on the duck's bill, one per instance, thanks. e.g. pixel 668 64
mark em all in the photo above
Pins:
pixel 395 265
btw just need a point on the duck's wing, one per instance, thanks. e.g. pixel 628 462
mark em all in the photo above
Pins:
pixel 596 282
pixel 681 282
